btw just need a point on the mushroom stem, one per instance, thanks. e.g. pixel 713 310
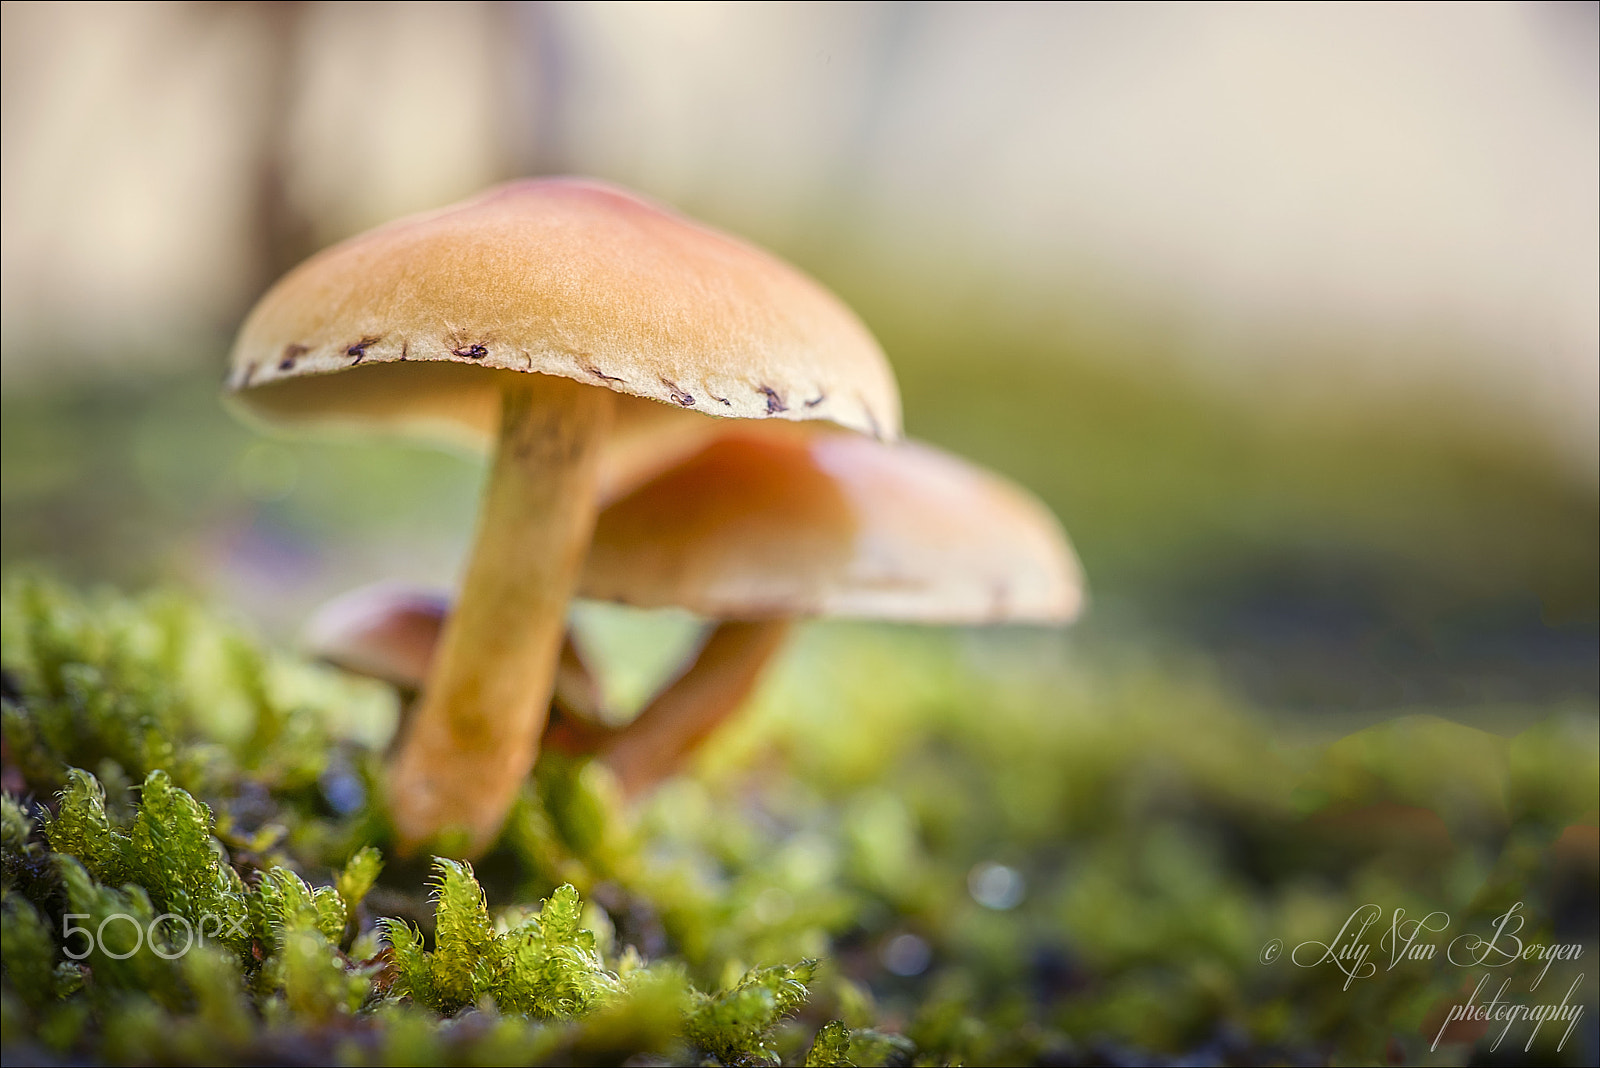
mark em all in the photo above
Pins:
pixel 576 706
pixel 729 665
pixel 474 734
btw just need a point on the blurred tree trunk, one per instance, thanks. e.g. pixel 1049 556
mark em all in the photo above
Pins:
pixel 533 60
pixel 281 230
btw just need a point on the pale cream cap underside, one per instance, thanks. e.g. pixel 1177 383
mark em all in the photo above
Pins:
pixel 818 524
pixel 413 325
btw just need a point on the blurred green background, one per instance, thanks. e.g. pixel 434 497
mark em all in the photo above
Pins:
pixel 1289 316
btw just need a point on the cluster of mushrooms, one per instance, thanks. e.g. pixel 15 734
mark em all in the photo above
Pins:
pixel 676 419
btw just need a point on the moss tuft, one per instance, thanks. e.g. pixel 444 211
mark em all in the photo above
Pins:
pixel 736 1024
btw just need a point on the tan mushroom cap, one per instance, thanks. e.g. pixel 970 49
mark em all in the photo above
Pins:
pixel 760 526
pixel 385 631
pixel 560 277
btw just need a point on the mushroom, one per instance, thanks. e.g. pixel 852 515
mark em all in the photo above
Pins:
pixel 758 529
pixel 547 316
pixel 389 631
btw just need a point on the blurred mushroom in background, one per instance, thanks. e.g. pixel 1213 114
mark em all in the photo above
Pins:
pixel 757 530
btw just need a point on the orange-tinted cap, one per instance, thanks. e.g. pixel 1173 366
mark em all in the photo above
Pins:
pixel 415 324
pixel 827 524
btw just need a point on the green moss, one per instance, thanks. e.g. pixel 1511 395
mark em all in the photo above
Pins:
pixel 355 881
pixel 544 966
pixel 274 958
pixel 907 834
pixel 28 951
pixel 836 1046
pixel 736 1024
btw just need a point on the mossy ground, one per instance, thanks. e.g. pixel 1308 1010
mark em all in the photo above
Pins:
pixel 915 849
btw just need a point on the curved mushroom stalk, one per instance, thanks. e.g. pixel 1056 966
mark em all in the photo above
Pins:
pixel 474 735
pixel 659 740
